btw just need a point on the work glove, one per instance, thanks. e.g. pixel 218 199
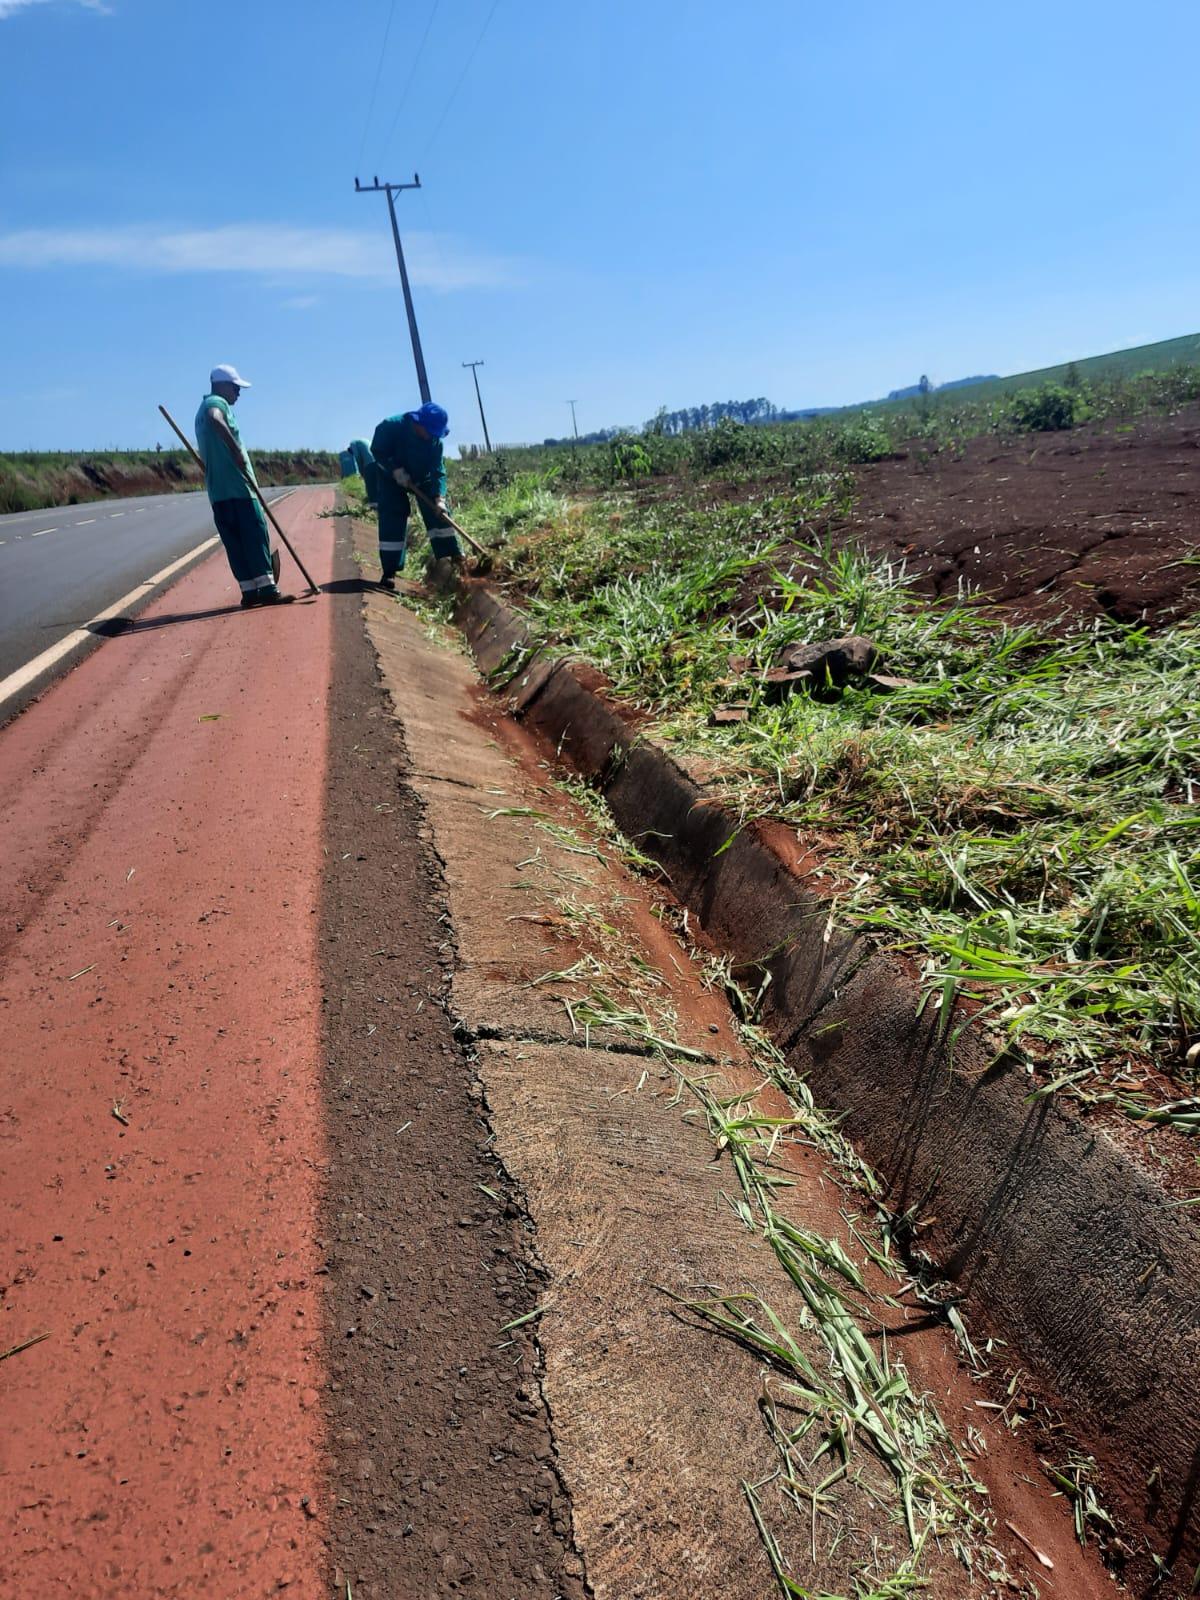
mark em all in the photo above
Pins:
pixel 402 478
pixel 440 503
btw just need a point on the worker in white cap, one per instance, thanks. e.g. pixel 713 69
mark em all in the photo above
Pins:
pixel 228 476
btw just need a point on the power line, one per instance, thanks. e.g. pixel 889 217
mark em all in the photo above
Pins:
pixel 362 145
pixel 462 75
pixel 383 149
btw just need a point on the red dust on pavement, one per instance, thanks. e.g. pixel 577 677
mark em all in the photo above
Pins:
pixel 160 1128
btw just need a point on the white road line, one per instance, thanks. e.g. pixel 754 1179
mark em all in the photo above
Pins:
pixel 41 531
pixel 32 670
pixel 113 514
pixel 82 524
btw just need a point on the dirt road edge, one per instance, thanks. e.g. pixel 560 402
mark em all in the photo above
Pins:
pixel 1057 1239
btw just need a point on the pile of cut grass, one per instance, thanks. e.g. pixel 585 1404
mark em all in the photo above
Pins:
pixel 1021 817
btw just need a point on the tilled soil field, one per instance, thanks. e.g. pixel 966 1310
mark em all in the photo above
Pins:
pixel 1091 521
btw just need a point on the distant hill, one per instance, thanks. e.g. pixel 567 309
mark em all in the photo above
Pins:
pixel 914 389
pixel 1117 364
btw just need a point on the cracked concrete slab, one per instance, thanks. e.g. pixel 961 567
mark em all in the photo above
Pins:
pixel 656 1419
pixel 656 1422
pixel 529 895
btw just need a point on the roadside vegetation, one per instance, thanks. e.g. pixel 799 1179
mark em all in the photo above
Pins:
pixel 730 454
pixel 36 480
pixel 1018 812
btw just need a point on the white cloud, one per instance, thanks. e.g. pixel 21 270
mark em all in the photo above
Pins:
pixel 433 262
pixel 9 8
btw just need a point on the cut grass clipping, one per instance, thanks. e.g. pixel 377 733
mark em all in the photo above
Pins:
pixel 1022 816
pixel 815 1416
pixel 815 1411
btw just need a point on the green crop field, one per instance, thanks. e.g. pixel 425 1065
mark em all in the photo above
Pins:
pixel 1142 358
pixel 34 480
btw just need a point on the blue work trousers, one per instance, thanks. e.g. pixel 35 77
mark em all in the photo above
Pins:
pixel 394 513
pixel 243 530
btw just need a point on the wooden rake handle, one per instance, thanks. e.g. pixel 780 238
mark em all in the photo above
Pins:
pixel 461 532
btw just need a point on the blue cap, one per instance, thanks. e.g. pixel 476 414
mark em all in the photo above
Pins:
pixel 433 419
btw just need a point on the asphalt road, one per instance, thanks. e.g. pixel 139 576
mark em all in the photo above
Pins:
pixel 60 568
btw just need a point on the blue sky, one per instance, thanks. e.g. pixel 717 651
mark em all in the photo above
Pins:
pixel 660 203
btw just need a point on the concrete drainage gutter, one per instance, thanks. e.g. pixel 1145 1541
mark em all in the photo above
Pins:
pixel 1058 1240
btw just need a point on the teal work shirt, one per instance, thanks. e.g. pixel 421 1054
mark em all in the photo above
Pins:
pixel 221 476
pixel 398 444
pixel 363 459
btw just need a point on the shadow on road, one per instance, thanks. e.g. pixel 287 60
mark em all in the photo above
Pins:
pixel 119 627
pixel 116 627
pixel 350 586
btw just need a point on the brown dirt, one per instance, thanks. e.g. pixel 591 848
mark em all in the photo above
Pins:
pixel 1098 520
pixel 443 1468
pixel 1093 521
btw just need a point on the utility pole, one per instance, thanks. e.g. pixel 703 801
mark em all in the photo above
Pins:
pixel 391 189
pixel 479 397
pixel 574 424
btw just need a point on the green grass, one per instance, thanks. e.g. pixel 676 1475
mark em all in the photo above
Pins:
pixel 1022 818
pixel 1118 364
pixel 1118 387
pixel 35 480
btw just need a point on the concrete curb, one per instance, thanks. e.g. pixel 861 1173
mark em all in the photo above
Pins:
pixel 1057 1238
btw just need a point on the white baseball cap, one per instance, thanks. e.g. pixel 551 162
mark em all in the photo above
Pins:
pixel 227 374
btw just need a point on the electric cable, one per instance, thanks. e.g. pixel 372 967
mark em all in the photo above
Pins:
pixel 362 144
pixel 387 140
pixel 462 75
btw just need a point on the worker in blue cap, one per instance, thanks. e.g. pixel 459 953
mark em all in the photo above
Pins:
pixel 408 451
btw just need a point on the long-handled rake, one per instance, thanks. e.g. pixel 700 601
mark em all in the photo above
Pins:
pixel 437 510
pixel 257 493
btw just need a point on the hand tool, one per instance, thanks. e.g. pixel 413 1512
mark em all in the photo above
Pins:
pixel 257 493
pixel 434 507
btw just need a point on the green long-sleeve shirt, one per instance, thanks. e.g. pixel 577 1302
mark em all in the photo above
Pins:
pixel 398 444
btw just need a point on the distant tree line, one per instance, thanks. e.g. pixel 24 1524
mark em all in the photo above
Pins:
pixel 692 419
pixel 752 413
